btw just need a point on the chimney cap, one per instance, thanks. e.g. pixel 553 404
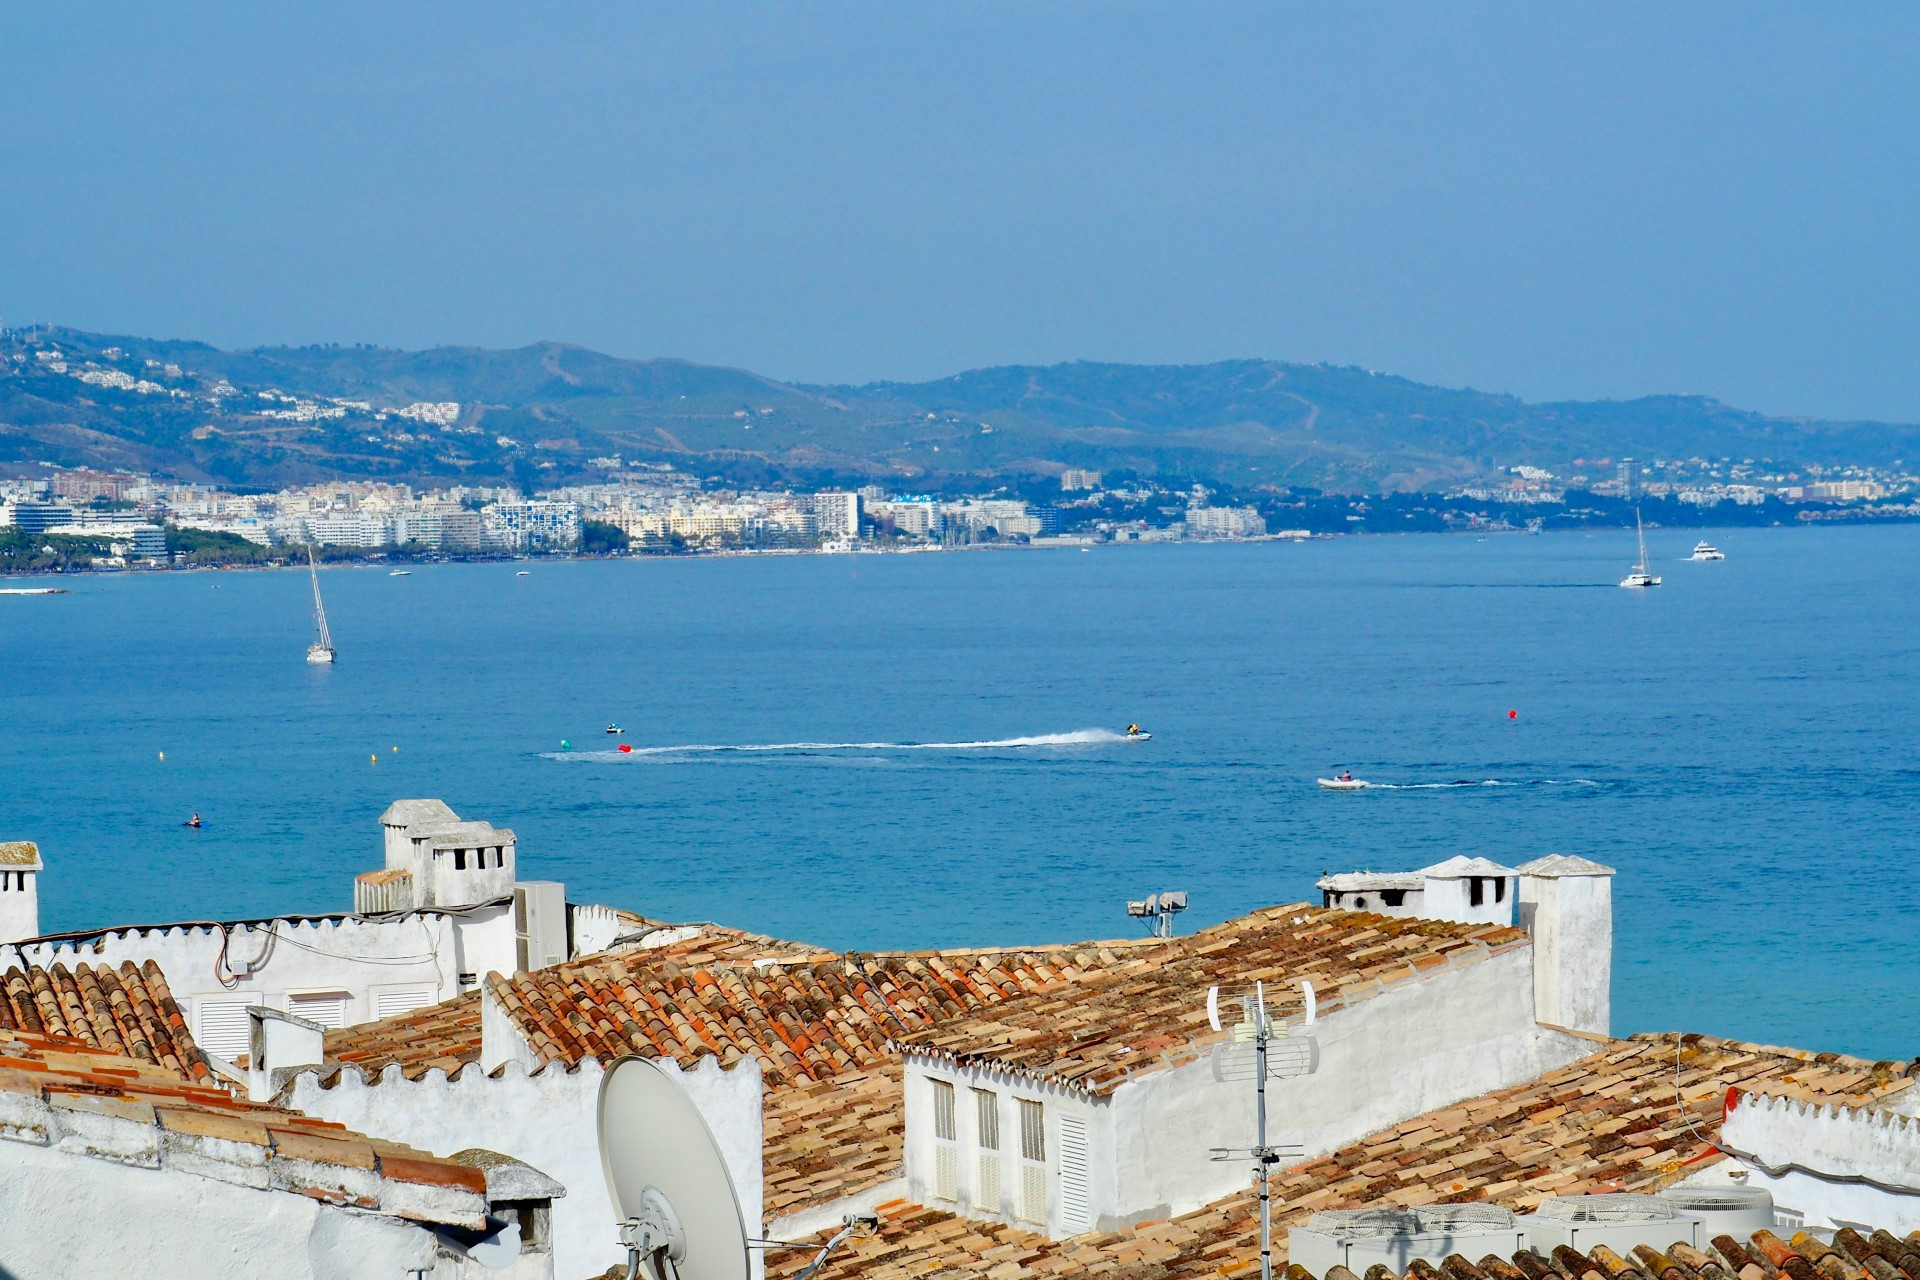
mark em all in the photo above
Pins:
pixel 1556 865
pixel 20 855
pixel 1460 867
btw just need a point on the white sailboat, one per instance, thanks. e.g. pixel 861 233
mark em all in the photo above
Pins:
pixel 321 650
pixel 1640 577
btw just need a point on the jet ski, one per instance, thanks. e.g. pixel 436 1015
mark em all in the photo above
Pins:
pixel 1136 734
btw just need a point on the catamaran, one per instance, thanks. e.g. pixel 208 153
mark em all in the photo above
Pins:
pixel 321 650
pixel 1640 577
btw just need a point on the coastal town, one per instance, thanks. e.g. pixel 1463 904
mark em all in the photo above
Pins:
pixel 413 1087
pixel 79 518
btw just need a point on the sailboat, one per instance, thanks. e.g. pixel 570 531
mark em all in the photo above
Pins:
pixel 1640 577
pixel 321 650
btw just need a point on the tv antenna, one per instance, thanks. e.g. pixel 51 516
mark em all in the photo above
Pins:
pixel 1158 910
pixel 672 1195
pixel 1260 1050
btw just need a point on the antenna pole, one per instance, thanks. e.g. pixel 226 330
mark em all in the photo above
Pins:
pixel 1260 1154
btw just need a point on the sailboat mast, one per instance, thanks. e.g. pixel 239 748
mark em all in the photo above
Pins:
pixel 325 639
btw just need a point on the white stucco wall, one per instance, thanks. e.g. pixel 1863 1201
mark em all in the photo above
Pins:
pixel 1834 1165
pixel 546 1119
pixel 362 958
pixel 65 1215
pixel 1571 921
pixel 1058 1104
pixel 1417 1045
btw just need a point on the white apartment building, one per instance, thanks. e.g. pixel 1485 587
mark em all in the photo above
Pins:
pixel 914 519
pixel 1006 517
pixel 838 514
pixel 536 524
pixel 1225 522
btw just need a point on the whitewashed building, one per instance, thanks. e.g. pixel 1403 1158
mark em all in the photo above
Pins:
pixel 447 910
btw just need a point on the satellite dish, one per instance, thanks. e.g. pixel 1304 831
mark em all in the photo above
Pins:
pixel 672 1194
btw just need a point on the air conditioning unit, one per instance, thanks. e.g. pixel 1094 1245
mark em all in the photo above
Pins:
pixel 1724 1210
pixel 1359 1238
pixel 1618 1221
pixel 539 924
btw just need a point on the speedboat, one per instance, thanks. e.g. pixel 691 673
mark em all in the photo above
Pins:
pixel 401 573
pixel 1342 784
pixel 1707 551
pixel 614 728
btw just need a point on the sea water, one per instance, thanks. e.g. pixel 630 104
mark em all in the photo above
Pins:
pixel 917 751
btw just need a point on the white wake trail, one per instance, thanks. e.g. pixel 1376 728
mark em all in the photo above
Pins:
pixel 1076 738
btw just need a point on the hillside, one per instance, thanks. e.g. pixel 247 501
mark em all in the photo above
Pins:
pixel 551 413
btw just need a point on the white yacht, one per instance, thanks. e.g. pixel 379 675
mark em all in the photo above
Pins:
pixel 1707 551
pixel 321 650
pixel 1640 577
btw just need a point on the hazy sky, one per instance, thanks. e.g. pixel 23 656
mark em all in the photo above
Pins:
pixel 1559 200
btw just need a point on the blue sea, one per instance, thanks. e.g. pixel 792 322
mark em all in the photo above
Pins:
pixel 920 750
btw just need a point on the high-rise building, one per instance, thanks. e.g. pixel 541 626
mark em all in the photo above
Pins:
pixel 838 514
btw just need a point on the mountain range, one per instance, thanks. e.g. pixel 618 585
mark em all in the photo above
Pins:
pixel 551 413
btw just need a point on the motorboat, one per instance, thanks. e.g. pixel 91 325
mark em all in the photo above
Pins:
pixel 1707 551
pixel 614 728
pixel 522 573
pixel 401 573
pixel 1345 783
pixel 1640 577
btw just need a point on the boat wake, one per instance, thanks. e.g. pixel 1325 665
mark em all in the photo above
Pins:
pixel 1483 782
pixel 1076 738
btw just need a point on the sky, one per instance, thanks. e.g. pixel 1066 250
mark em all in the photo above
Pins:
pixel 1563 201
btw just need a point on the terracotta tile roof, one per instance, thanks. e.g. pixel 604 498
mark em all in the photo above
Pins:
pixel 1147 1015
pixel 827 1140
pixel 74 1096
pixel 1637 1116
pixel 445 1035
pixel 127 1011
pixel 806 1021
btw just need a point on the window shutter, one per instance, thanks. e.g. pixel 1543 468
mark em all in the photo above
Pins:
pixel 1076 1206
pixel 943 1127
pixel 1033 1193
pixel 328 1008
pixel 391 1004
pixel 946 1173
pixel 222 1029
pixel 986 1185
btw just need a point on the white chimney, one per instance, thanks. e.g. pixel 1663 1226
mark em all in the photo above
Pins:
pixel 275 1041
pixel 20 869
pixel 1566 903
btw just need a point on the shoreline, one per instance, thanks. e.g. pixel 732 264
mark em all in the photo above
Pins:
pixel 1065 543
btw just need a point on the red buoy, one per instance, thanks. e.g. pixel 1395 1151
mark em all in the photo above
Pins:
pixel 625 749
pixel 1513 715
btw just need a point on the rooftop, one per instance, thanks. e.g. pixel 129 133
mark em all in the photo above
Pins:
pixel 460 835
pixel 405 813
pixel 1459 867
pixel 74 1097
pixel 1636 1116
pixel 445 1035
pixel 1153 1014
pixel 128 1011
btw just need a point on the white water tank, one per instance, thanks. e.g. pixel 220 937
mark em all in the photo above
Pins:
pixel 1617 1220
pixel 1358 1238
pixel 1724 1210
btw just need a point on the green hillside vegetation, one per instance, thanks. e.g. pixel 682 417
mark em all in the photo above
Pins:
pixel 549 414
